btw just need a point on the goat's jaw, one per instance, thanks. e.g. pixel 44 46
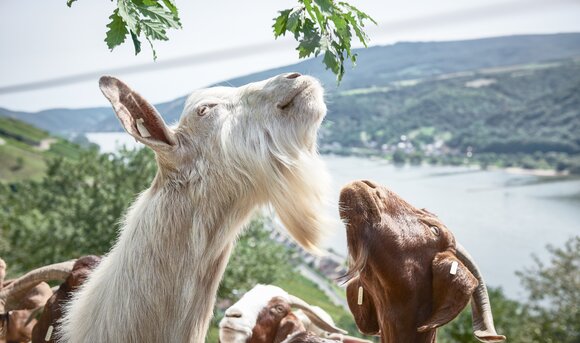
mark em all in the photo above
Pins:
pixel 234 335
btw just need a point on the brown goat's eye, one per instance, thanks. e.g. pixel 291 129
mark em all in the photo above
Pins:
pixel 435 230
pixel 279 308
pixel 204 109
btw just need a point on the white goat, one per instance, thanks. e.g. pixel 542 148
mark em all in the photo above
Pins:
pixel 232 150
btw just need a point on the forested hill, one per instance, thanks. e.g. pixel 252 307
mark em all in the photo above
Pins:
pixel 503 95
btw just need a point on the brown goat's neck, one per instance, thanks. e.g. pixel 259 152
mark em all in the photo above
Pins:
pixel 396 333
pixel 401 319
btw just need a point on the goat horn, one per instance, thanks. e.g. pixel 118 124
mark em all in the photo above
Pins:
pixel 483 327
pixel 12 293
pixel 313 316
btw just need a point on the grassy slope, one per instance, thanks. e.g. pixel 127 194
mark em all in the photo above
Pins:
pixel 20 155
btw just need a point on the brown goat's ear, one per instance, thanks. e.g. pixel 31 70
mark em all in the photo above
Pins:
pixel 288 325
pixel 453 285
pixel 138 117
pixel 362 308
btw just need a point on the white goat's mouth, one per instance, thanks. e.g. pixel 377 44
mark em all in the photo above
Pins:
pixel 289 99
pixel 228 327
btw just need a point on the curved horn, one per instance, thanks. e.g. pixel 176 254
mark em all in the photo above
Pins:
pixel 12 293
pixel 313 316
pixel 482 317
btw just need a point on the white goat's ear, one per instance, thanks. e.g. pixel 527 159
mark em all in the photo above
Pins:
pixel 138 117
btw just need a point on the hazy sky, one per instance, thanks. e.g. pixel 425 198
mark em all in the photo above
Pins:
pixel 41 40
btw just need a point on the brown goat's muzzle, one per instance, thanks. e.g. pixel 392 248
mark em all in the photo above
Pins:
pixel 359 202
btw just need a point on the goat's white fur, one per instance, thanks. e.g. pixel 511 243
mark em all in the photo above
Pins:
pixel 158 283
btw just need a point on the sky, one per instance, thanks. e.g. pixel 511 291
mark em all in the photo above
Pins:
pixel 43 40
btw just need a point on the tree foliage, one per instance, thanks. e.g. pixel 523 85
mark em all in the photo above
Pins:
pixel 321 27
pixel 74 210
pixel 324 27
pixel 551 313
pixel 148 18
pixel 255 259
pixel 554 295
pixel 508 315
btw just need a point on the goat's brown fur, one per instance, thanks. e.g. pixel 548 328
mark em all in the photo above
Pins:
pixel 53 310
pixel 401 256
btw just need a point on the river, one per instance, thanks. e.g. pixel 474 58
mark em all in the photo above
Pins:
pixel 501 218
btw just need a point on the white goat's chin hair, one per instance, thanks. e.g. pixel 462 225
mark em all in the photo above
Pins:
pixel 300 201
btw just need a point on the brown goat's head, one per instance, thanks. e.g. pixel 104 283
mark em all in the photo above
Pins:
pixel 48 323
pixel 407 274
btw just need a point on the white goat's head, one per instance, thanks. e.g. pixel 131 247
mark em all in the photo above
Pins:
pixel 264 315
pixel 255 143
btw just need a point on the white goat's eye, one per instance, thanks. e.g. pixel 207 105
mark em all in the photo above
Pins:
pixel 204 109
pixel 435 230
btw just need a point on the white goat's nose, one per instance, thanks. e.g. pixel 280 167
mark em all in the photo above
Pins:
pixel 233 313
pixel 293 75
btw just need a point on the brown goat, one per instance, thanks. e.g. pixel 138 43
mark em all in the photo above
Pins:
pixel 407 274
pixel 22 297
pixel 48 322
pixel 19 323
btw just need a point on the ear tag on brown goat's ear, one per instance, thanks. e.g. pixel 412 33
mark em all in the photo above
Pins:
pixel 48 333
pixel 142 129
pixel 360 296
pixel 454 266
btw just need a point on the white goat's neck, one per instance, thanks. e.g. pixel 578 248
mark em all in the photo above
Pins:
pixel 174 248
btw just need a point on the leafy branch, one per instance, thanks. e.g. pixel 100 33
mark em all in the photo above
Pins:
pixel 150 18
pixel 324 27
pixel 321 27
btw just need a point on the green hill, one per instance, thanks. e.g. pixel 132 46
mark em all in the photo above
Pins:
pixel 509 101
pixel 24 150
pixel 524 111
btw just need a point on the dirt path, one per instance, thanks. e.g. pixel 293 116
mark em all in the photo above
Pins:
pixel 45 144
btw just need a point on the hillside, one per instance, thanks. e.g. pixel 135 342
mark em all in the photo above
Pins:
pixel 509 101
pixel 24 150
pixel 525 109
pixel 377 66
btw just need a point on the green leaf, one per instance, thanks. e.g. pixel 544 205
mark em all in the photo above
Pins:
pixel 117 31
pixel 153 30
pixel 70 2
pixel 280 23
pixel 161 15
pixel 294 21
pixel 308 45
pixel 331 62
pixel 136 42
pixel 325 5
pixel 171 6
pixel 129 15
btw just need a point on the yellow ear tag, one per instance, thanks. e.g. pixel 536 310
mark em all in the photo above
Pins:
pixel 360 295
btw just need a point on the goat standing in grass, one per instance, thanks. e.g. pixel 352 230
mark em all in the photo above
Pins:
pixel 232 150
